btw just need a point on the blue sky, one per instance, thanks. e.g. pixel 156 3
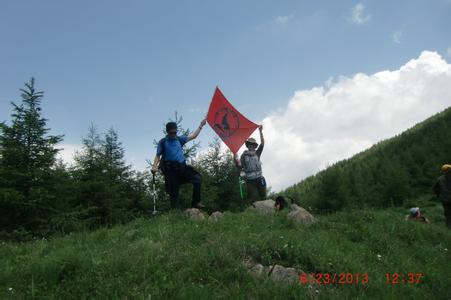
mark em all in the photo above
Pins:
pixel 131 64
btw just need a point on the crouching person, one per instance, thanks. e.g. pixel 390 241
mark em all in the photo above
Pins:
pixel 415 215
pixel 171 160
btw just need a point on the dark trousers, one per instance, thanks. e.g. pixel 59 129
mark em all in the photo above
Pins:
pixel 256 189
pixel 447 209
pixel 177 174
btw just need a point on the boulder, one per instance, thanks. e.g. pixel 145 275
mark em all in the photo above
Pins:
pixel 214 217
pixel 265 206
pixel 257 270
pixel 275 273
pixel 282 274
pixel 194 214
pixel 254 268
pixel 300 215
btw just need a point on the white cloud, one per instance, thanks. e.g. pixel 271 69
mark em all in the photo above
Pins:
pixel 397 36
pixel 275 24
pixel 283 19
pixel 67 153
pixel 328 123
pixel 359 15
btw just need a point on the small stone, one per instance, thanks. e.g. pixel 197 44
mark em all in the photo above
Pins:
pixel 282 274
pixel 276 273
pixel 195 214
pixel 257 270
pixel 214 217
pixel 300 215
pixel 265 206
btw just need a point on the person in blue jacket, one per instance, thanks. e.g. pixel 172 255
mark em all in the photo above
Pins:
pixel 171 160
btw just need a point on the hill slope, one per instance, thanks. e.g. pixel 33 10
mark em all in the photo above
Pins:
pixel 170 257
pixel 389 173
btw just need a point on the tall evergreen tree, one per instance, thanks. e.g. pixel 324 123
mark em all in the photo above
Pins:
pixel 106 188
pixel 28 154
pixel 113 155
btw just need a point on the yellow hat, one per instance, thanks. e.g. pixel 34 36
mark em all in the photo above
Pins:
pixel 446 168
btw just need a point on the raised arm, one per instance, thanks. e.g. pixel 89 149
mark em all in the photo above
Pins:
pixel 237 161
pixel 262 139
pixel 194 135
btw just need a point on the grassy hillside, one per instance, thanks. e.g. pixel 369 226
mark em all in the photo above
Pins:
pixel 388 174
pixel 169 257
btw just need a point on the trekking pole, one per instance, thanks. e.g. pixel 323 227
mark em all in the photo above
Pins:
pixel 154 192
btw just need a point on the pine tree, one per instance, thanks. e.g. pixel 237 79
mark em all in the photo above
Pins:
pixel 113 155
pixel 107 189
pixel 220 188
pixel 28 154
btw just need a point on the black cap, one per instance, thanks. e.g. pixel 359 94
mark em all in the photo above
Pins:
pixel 171 126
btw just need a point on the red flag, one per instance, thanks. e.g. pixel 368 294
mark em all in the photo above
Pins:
pixel 231 126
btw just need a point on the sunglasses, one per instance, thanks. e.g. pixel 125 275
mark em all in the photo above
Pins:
pixel 172 132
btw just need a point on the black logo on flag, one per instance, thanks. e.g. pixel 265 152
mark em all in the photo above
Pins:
pixel 226 122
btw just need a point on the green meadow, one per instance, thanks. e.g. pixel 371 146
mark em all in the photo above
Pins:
pixel 170 257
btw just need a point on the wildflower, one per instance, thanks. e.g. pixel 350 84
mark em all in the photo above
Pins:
pixel 286 245
pixel 379 257
pixel 10 289
pixel 446 249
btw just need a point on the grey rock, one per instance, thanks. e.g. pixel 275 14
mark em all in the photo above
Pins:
pixel 300 215
pixel 276 273
pixel 195 214
pixel 257 270
pixel 264 207
pixel 214 217
pixel 282 274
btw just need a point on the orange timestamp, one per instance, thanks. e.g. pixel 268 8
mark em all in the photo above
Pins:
pixel 358 278
pixel 403 278
pixel 333 278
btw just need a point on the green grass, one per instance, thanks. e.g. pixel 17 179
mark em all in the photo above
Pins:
pixel 169 257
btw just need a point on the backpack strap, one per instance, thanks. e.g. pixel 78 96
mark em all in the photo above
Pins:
pixel 162 142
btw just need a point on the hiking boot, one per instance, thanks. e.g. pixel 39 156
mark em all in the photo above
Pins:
pixel 199 205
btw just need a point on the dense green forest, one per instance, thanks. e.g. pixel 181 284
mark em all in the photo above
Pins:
pixel 388 174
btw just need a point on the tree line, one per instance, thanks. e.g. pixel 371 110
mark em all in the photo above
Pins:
pixel 40 195
pixel 388 174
